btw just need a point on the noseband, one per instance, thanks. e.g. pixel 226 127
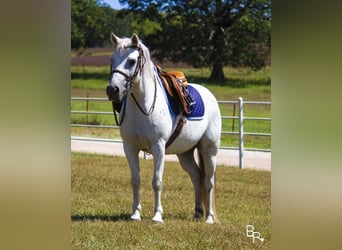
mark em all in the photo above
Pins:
pixel 138 70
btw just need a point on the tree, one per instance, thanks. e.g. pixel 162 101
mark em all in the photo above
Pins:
pixel 207 33
pixel 92 21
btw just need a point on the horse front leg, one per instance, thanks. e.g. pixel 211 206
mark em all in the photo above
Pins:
pixel 132 156
pixel 157 181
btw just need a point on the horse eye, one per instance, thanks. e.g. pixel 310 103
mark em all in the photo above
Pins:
pixel 131 62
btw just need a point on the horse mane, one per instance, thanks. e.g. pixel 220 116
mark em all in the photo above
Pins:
pixel 147 55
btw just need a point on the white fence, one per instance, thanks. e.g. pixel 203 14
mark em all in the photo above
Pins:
pixel 239 117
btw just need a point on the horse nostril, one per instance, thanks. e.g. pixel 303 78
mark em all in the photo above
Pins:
pixel 112 92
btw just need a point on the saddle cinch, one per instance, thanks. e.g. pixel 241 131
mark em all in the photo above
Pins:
pixel 177 87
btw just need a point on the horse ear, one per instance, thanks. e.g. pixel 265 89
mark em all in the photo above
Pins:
pixel 135 40
pixel 115 40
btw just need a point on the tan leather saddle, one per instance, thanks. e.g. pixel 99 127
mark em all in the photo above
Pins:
pixel 177 86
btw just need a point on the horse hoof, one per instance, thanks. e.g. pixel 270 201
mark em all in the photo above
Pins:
pixel 136 216
pixel 210 219
pixel 198 215
pixel 157 218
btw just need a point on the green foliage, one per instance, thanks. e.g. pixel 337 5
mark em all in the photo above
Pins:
pixel 207 33
pixel 92 22
pixel 199 33
pixel 101 202
pixel 146 27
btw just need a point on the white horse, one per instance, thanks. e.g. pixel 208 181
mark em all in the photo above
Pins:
pixel 146 124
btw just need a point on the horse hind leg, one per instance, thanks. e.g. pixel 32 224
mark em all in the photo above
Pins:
pixel 207 162
pixel 188 163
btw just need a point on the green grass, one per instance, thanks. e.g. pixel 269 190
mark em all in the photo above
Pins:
pixel 101 205
pixel 95 78
pixel 252 86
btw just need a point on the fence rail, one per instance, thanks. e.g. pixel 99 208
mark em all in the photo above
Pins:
pixel 239 117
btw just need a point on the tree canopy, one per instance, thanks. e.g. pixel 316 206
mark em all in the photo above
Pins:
pixel 206 33
pixel 201 33
pixel 92 22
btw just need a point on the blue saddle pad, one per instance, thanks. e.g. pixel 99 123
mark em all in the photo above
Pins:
pixel 197 110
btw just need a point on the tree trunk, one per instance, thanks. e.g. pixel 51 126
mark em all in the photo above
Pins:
pixel 217 74
pixel 218 43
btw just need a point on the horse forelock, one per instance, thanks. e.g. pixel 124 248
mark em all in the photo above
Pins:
pixel 126 44
pixel 123 44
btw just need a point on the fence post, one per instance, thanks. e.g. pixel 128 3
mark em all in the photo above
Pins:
pixel 233 123
pixel 87 107
pixel 241 143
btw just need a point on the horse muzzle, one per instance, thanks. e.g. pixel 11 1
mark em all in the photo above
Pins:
pixel 113 94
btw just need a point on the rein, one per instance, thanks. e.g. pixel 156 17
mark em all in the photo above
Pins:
pixel 123 114
pixel 153 104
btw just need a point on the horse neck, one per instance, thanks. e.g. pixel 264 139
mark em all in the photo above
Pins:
pixel 145 90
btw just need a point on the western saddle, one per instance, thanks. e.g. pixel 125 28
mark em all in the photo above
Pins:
pixel 177 87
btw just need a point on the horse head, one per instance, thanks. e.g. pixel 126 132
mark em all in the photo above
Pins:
pixel 127 63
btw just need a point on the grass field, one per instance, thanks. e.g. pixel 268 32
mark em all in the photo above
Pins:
pixel 101 205
pixel 252 86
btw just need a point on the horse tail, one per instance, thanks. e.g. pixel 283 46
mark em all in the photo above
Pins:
pixel 204 194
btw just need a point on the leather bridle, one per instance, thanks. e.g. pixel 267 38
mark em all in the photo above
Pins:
pixel 138 70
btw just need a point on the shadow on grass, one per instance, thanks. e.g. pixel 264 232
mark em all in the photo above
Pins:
pixel 182 215
pixel 91 217
pixel 126 217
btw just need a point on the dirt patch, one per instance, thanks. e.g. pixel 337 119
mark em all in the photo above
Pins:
pixel 100 60
pixel 101 57
pixel 253 160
